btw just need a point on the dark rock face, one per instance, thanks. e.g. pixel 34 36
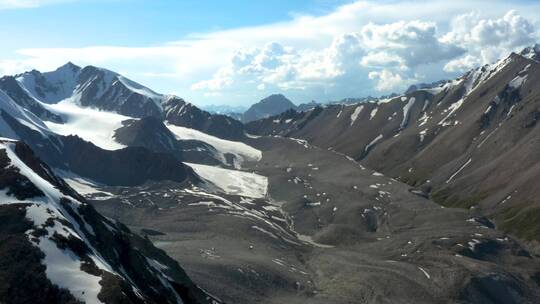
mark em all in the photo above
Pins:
pixel 103 89
pixel 180 113
pixel 148 132
pixel 14 183
pixel 128 166
pixel 492 289
pixel 152 134
pixel 269 106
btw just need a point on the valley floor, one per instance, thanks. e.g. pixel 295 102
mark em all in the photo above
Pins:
pixel 327 231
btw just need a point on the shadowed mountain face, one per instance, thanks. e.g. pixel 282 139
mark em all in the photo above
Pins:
pixel 467 143
pixel 152 134
pixel 67 252
pixel 269 106
pixel 180 113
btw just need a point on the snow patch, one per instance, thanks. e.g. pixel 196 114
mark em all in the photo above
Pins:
pixel 241 151
pixel 233 182
pixel 373 142
pixel 90 124
pixel 373 113
pixel 355 114
pixel 517 81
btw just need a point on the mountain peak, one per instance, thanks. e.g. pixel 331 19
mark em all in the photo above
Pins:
pixel 69 66
pixel 269 106
pixel 275 97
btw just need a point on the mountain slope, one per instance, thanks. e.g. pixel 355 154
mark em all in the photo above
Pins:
pixel 67 252
pixel 467 143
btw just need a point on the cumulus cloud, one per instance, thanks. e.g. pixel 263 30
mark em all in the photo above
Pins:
pixel 488 39
pixel 361 48
pixel 408 44
pixel 383 55
pixel 386 80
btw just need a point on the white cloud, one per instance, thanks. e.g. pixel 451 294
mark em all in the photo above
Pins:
pixel 488 39
pixel 383 54
pixel 358 49
pixel 388 81
pixel 407 43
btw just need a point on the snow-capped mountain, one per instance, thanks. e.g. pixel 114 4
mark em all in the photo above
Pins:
pixel 92 87
pixel 96 104
pixel 68 253
pixel 104 90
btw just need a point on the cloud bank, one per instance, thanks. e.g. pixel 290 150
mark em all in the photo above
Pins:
pixel 362 48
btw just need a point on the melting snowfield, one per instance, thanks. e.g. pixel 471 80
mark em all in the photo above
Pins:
pixel 232 181
pixel 242 151
pixel 90 124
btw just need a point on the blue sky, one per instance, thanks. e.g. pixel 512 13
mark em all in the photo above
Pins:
pixel 140 22
pixel 237 52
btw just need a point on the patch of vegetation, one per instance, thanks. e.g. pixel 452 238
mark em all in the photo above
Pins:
pixel 413 179
pixel 523 222
pixel 446 198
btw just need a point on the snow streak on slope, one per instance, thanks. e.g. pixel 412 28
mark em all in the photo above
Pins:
pixel 373 142
pixel 459 170
pixel 406 112
pixel 373 113
pixel 232 181
pixel 90 124
pixel 355 114
pixel 242 151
